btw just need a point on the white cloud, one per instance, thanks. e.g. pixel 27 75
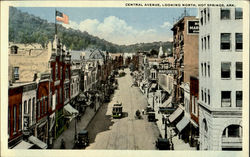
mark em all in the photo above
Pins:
pixel 166 25
pixel 116 30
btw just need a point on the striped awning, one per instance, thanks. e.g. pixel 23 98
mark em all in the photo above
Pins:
pixel 175 114
pixel 182 123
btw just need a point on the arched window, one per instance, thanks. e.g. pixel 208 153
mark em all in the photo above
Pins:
pixel 232 131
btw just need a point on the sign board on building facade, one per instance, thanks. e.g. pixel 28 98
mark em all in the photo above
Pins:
pixel 193 27
pixel 167 71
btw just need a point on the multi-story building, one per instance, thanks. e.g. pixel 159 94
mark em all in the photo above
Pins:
pixel 60 62
pixel 185 52
pixel 220 78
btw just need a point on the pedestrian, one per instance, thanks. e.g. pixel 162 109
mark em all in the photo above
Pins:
pixel 62 144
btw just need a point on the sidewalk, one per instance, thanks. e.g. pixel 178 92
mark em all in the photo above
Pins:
pixel 69 134
pixel 179 144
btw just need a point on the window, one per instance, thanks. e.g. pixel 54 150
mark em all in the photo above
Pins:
pixel 29 105
pixel 45 104
pixel 66 73
pixel 14 115
pixel 56 97
pixel 208 14
pixel 39 107
pixel 61 73
pixel 201 18
pixel 225 98
pixel 205 15
pixel 208 42
pixel 33 109
pixel 205 43
pixel 202 43
pixel 20 117
pixel 225 41
pixel 205 93
pixel 238 41
pixel 234 131
pixel 208 97
pixel 205 67
pixel 225 14
pixel 238 72
pixel 202 69
pixel 225 70
pixel 16 73
pixel 202 96
pixel 56 73
pixel 238 13
pixel 61 95
pixel 208 69
pixel 42 103
pixel 238 98
pixel 25 107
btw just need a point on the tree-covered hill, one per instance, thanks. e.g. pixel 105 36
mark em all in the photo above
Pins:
pixel 27 28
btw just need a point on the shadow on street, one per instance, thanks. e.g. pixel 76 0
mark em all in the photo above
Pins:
pixel 100 123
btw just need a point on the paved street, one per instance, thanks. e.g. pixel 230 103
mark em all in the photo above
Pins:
pixel 128 132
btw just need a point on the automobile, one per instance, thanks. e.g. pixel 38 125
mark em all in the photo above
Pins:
pixel 82 139
pixel 151 117
pixel 162 144
pixel 117 110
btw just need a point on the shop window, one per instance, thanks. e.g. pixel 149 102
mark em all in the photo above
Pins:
pixel 238 41
pixel 238 98
pixel 20 117
pixel 225 14
pixel 225 98
pixel 225 70
pixel 25 107
pixel 238 72
pixel 238 13
pixel 225 41
pixel 14 115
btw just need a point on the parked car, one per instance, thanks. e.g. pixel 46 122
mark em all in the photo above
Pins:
pixel 83 139
pixel 162 144
pixel 151 117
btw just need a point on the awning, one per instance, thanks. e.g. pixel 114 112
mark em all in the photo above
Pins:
pixel 183 123
pixel 175 114
pixel 38 142
pixel 167 102
pixel 194 123
pixel 70 112
pixel 23 145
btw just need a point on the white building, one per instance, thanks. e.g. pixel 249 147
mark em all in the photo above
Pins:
pixel 220 74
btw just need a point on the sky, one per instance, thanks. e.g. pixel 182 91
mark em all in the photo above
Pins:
pixel 118 25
